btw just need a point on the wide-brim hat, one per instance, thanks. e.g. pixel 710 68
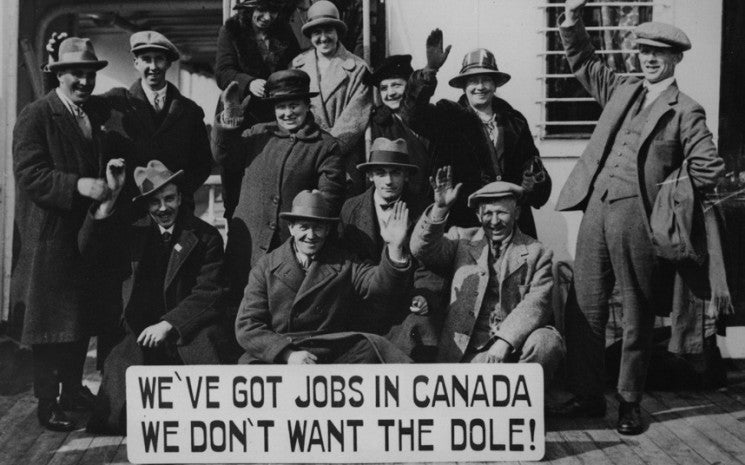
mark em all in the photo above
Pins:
pixel 394 66
pixel 323 13
pixel 661 35
pixel 495 190
pixel 143 41
pixel 309 205
pixel 386 152
pixel 152 178
pixel 76 52
pixel 289 84
pixel 480 61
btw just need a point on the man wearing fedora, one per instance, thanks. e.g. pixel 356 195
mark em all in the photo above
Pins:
pixel 342 100
pixel 156 119
pixel 301 296
pixel 391 78
pixel 647 129
pixel 500 302
pixel 58 159
pixel 405 316
pixel 278 160
pixel 481 136
pixel 168 264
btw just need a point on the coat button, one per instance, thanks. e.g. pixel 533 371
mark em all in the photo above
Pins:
pixel 275 199
pixel 272 225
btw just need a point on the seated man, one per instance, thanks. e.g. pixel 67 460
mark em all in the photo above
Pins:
pixel 501 287
pixel 389 171
pixel 169 265
pixel 301 295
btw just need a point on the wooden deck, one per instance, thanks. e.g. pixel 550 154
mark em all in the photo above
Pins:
pixel 684 428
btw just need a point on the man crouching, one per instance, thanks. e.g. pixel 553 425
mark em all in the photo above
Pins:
pixel 500 300
pixel 301 296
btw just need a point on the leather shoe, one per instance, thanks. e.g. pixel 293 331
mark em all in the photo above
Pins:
pixel 80 400
pixel 629 418
pixel 52 417
pixel 578 407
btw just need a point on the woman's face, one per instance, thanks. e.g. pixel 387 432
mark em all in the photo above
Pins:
pixel 325 39
pixel 263 19
pixel 291 114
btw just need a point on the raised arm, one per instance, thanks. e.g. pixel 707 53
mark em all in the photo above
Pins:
pixel 227 144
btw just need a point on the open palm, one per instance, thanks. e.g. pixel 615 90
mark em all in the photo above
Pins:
pixel 395 230
pixel 442 185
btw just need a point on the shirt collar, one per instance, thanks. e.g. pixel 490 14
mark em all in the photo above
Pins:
pixel 303 260
pixel 71 106
pixel 655 89
pixel 505 243
pixel 150 93
pixel 166 230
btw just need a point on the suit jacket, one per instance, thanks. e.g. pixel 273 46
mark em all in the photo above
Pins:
pixel 675 130
pixel 525 282
pixel 283 304
pixel 50 285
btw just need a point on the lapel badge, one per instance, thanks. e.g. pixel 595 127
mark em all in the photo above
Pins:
pixel 177 247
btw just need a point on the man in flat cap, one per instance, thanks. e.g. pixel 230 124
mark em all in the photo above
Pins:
pixel 58 152
pixel 481 136
pixel 500 297
pixel 407 317
pixel 648 128
pixel 301 296
pixel 168 264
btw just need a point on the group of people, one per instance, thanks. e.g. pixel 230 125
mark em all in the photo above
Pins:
pixel 422 250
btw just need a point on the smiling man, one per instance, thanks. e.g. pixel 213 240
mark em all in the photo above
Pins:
pixel 500 302
pixel 648 128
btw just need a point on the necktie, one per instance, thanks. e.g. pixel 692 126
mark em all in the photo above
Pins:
pixel 83 122
pixel 166 238
pixel 158 102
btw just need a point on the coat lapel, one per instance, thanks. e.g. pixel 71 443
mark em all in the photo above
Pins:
pixel 175 109
pixel 139 233
pixel 142 105
pixel 660 106
pixel 321 271
pixel 368 218
pixel 70 129
pixel 515 257
pixel 180 251
pixel 288 270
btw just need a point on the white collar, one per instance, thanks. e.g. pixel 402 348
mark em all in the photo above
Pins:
pixel 505 243
pixel 71 106
pixel 150 93
pixel 655 89
pixel 168 230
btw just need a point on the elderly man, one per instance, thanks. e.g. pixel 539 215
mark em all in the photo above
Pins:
pixel 500 300
pixel 648 128
pixel 300 297
pixel 481 136
pixel 58 150
pixel 169 266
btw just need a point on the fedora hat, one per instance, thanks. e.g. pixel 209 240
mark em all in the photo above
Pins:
pixel 271 5
pixel 75 52
pixel 386 152
pixel 479 61
pixel 289 84
pixel 495 190
pixel 661 35
pixel 394 66
pixel 309 205
pixel 151 40
pixel 152 178
pixel 323 13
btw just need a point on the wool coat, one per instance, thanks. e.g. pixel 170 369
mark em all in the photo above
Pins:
pixel 675 130
pixel 360 234
pixel 50 283
pixel 192 291
pixel 284 305
pixel 276 166
pixel 525 282
pixel 343 104
pixel 459 140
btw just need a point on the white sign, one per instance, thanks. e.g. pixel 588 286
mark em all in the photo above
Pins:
pixel 335 413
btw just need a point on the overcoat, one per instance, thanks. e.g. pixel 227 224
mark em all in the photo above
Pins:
pixel 276 166
pixel 343 104
pixel 675 130
pixel 192 292
pixel 459 140
pixel 49 283
pixel 284 305
pixel 525 282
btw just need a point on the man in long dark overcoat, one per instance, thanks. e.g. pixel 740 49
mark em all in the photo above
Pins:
pixel 58 157
pixel 481 136
pixel 648 128
pixel 168 264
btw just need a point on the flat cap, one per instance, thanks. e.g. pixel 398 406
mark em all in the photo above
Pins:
pixel 662 35
pixel 495 190
pixel 142 41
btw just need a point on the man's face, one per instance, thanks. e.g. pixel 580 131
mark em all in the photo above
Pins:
pixel 263 19
pixel 163 206
pixel 498 217
pixel 291 114
pixel 392 92
pixel 309 236
pixel 480 90
pixel 389 181
pixel 77 83
pixel 325 39
pixel 152 66
pixel 658 63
